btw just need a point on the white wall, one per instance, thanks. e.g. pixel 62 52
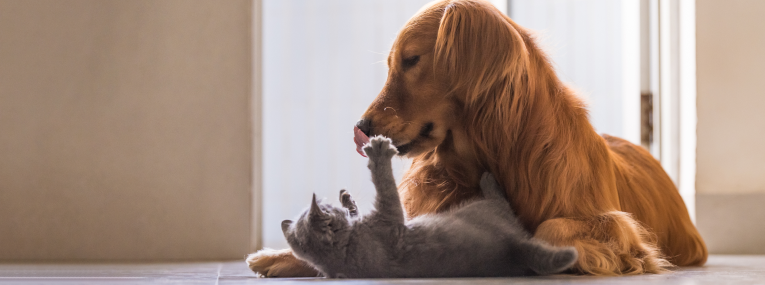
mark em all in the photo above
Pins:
pixel 731 99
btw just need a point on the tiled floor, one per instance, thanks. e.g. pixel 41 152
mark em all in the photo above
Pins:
pixel 719 270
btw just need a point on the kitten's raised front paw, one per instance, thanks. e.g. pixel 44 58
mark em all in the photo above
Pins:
pixel 380 147
pixel 279 263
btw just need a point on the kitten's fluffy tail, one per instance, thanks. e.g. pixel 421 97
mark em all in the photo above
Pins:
pixel 554 260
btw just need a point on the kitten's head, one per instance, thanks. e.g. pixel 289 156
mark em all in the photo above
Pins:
pixel 318 232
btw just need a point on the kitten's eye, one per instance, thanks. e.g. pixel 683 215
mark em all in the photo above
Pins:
pixel 410 61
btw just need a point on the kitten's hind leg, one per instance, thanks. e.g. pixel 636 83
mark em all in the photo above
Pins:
pixel 388 208
pixel 347 201
pixel 490 187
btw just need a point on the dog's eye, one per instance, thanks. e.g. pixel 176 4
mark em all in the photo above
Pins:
pixel 410 61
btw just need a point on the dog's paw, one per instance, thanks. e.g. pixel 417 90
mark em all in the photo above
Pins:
pixel 380 147
pixel 278 263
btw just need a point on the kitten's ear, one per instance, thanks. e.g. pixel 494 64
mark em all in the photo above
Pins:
pixel 286 226
pixel 315 211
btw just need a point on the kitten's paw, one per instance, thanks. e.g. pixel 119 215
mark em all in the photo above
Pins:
pixel 278 263
pixel 380 147
pixel 344 197
pixel 347 201
pixel 490 187
pixel 489 183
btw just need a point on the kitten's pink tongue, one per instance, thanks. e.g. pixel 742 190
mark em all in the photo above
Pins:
pixel 360 139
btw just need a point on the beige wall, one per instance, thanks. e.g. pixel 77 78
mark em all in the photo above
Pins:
pixel 125 129
pixel 730 181
pixel 730 52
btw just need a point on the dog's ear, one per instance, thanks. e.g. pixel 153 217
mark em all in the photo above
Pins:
pixel 478 48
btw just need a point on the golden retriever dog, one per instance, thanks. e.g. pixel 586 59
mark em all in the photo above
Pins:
pixel 469 91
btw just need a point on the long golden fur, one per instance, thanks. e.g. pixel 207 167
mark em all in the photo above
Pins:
pixel 469 91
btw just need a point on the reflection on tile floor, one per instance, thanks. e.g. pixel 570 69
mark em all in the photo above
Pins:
pixel 721 269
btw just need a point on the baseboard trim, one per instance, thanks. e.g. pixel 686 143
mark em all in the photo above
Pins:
pixel 732 224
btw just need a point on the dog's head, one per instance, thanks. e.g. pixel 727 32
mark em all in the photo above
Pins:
pixel 449 61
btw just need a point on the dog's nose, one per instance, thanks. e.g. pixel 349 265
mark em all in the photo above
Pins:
pixel 365 126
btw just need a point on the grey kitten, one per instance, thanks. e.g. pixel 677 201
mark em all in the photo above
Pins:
pixel 479 238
